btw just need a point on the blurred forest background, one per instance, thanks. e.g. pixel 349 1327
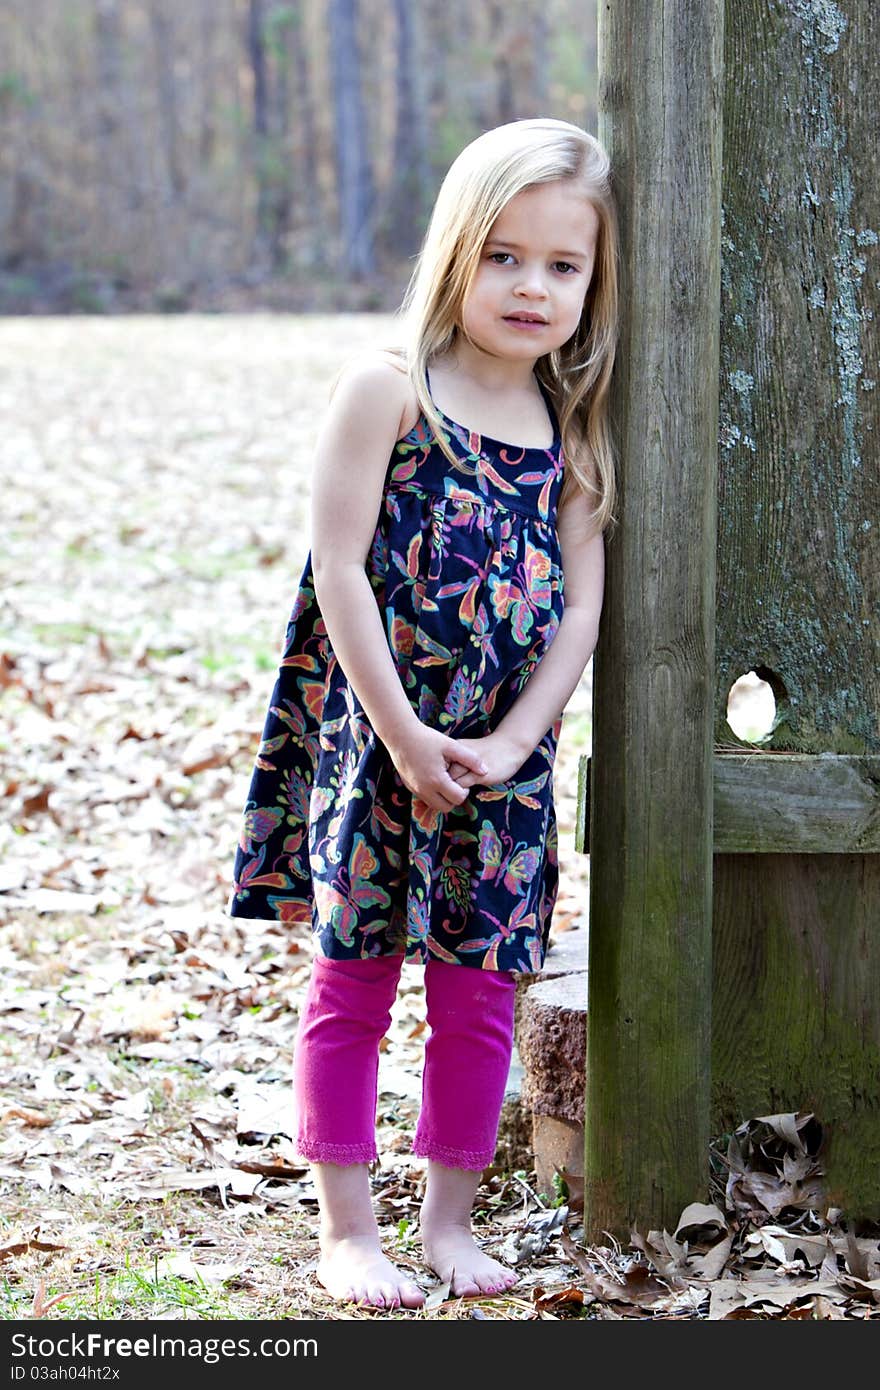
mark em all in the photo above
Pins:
pixel 162 156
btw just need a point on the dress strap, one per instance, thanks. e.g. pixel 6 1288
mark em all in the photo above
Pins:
pixel 551 409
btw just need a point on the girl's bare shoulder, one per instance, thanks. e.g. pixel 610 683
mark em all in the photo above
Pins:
pixel 398 378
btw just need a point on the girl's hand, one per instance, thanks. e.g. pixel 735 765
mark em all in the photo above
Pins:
pixel 421 755
pixel 502 757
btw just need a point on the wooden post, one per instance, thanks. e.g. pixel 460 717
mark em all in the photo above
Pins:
pixel 648 1041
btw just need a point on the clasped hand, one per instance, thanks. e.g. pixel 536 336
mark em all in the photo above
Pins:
pixel 439 769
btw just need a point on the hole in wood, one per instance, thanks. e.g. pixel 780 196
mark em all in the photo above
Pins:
pixel 751 705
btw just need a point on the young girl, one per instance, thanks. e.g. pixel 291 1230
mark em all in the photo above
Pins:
pixel 402 797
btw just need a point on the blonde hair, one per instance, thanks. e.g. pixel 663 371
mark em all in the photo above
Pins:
pixel 479 183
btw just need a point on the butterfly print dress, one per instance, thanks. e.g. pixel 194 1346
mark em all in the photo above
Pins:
pixel 466 570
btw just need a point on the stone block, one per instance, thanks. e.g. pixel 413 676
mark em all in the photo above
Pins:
pixel 552 1043
pixel 514 1146
pixel 558 1146
pixel 567 953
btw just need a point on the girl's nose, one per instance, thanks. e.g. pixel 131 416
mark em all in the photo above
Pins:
pixel 532 282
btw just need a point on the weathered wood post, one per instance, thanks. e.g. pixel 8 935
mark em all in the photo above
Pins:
pixel 650 982
pixel 790 830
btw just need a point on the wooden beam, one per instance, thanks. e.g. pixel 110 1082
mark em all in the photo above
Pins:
pixel 802 803
pixel 781 803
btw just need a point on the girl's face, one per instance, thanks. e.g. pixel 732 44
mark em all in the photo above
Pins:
pixel 537 261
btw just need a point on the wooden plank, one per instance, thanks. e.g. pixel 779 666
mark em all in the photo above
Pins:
pixel 778 803
pixel 796 1014
pixel 648 1086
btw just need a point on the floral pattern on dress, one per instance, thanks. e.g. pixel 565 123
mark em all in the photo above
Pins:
pixel 466 572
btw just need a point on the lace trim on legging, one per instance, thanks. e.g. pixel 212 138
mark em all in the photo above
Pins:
pixel 452 1158
pixel 318 1152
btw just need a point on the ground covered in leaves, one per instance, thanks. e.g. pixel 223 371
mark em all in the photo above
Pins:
pixel 156 476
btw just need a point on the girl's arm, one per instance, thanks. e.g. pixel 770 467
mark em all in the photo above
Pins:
pixel 550 686
pixel 353 449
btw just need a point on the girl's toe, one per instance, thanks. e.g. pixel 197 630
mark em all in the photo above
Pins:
pixel 463 1287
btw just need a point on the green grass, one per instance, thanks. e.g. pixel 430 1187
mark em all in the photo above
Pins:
pixel 128 1293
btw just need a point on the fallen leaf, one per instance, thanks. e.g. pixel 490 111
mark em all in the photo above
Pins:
pixel 438 1296
pixel 182 1266
pixel 21 1247
pixel 571 1297
pixel 697 1217
pixel 30 1117
pixel 41 1305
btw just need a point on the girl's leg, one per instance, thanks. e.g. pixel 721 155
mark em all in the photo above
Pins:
pixel 346 1013
pixel 467 1062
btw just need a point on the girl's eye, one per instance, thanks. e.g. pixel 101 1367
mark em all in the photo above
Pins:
pixel 493 256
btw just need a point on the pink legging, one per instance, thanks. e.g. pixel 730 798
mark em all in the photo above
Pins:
pixel 347 1012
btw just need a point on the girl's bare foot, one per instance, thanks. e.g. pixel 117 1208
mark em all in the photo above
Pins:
pixel 352 1266
pixel 355 1270
pixel 453 1254
pixel 449 1246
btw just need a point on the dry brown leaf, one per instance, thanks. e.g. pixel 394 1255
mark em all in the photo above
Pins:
pixel 787 1126
pixel 700 1217
pixel 41 1304
pixel 33 1118
pixel 710 1264
pixel 574 1252
pixel 861 1288
pixel 233 1180
pixel 783 1292
pixel 862 1257
pixel 571 1299
pixel 826 1308
pixel 665 1254
pixel 437 1297
pixel 724 1298
pixel 22 1247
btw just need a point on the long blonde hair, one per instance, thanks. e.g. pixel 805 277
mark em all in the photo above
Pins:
pixel 479 183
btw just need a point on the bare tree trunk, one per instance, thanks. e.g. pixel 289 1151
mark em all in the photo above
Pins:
pixel 353 168
pixel 208 69
pixel 19 221
pixel 256 45
pixel 108 124
pixel 282 23
pixel 410 178
pixel 305 150
pixel 163 42
pixel 439 25
pixel 505 106
pixel 540 62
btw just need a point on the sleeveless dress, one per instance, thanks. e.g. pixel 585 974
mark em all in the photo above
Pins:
pixel 466 570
